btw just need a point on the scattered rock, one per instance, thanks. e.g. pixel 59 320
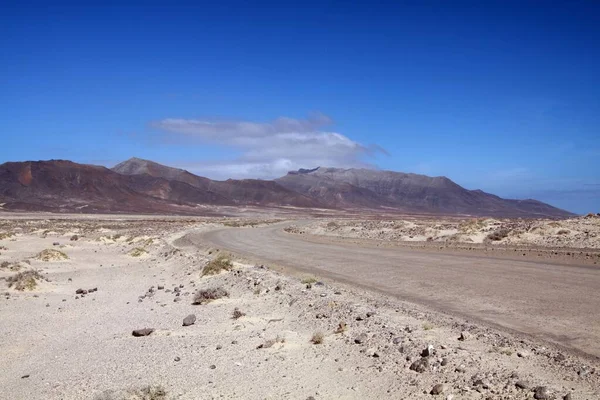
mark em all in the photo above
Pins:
pixel 428 351
pixel 81 291
pixel 444 362
pixel 439 389
pixel 360 339
pixel 189 320
pixel 161 287
pixel 142 332
pixel 420 366
pixel 523 354
pixel 25 376
pixel 464 335
pixel 524 385
pixel 541 393
pixel 213 366
pixel 568 396
pixel 177 359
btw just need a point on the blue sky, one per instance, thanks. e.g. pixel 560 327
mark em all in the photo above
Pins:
pixel 502 96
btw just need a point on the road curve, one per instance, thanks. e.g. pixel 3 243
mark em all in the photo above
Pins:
pixel 558 303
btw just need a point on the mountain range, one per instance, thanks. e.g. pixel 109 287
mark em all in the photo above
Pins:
pixel 142 186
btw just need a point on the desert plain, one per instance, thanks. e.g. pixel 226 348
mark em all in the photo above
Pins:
pixel 287 306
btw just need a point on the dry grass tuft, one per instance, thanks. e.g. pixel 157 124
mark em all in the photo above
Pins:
pixel 342 327
pixel 317 338
pixel 309 280
pixel 156 392
pixel 207 295
pixel 26 280
pixel 51 255
pixel 138 252
pixel 237 314
pixel 427 326
pixel 217 265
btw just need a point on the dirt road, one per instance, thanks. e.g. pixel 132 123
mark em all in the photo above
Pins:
pixel 558 303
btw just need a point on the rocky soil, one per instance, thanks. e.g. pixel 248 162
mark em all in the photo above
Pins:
pixel 110 322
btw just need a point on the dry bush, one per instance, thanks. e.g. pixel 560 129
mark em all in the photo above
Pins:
pixel 207 295
pixel 317 338
pixel 51 255
pixel 309 280
pixel 26 280
pixel 156 392
pixel 217 265
pixel 138 252
pixel 237 314
pixel 342 327
pixel 6 235
pixel 498 235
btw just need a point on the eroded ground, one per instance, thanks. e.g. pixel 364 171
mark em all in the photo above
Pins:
pixel 68 333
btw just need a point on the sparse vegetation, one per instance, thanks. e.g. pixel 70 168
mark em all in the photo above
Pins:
pixel 51 255
pixel 237 314
pixel 342 327
pixel 309 280
pixel 207 295
pixel 4 265
pixel 427 326
pixel 498 235
pixel 156 392
pixel 317 338
pixel 138 252
pixel 217 265
pixel 332 225
pixel 26 280
pixel 6 235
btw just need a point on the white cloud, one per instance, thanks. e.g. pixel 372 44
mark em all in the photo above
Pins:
pixel 270 149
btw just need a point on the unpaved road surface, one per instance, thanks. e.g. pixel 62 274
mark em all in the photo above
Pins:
pixel 558 303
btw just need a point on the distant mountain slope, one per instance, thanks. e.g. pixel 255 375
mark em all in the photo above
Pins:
pixel 407 192
pixel 64 185
pixel 246 191
pixel 144 186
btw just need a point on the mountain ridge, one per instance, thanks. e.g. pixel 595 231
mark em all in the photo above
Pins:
pixel 138 185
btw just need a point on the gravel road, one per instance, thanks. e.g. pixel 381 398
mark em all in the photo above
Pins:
pixel 554 302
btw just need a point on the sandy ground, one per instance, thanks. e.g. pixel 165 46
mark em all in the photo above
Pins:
pixel 57 344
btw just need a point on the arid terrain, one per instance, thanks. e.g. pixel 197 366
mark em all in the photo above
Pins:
pixel 138 307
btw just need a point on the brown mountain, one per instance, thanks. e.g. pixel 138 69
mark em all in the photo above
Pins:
pixel 59 185
pixel 144 186
pixel 246 191
pixel 358 188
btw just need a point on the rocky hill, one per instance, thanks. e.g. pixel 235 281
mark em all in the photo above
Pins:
pixel 352 188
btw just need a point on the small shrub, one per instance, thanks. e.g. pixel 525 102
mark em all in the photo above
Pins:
pixel 427 326
pixel 6 235
pixel 217 265
pixel 138 252
pixel 51 255
pixel 498 235
pixel 342 327
pixel 26 280
pixel 237 314
pixel 317 338
pixel 74 238
pixel 207 295
pixel 156 392
pixel 309 280
pixel 332 225
pixel 5 264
